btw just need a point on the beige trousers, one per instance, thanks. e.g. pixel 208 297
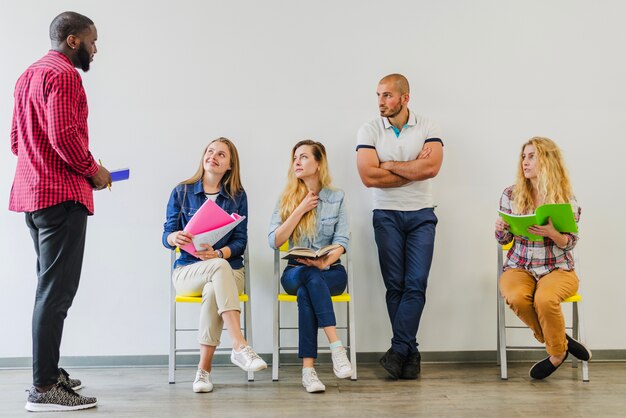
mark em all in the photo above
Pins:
pixel 538 303
pixel 220 287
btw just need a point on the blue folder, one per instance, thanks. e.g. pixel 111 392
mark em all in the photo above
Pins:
pixel 121 174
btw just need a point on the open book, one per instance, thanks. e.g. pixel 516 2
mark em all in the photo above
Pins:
pixel 304 252
pixel 208 225
pixel 561 214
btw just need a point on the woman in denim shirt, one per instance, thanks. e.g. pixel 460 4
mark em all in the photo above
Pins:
pixel 215 273
pixel 312 214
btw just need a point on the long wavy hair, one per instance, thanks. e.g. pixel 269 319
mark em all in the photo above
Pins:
pixel 553 182
pixel 295 191
pixel 231 181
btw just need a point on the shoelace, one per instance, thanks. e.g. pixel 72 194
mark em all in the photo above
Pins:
pixel 203 375
pixel 250 352
pixel 342 360
pixel 313 376
pixel 64 373
pixel 66 386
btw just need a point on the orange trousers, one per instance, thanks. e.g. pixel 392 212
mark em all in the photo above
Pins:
pixel 538 303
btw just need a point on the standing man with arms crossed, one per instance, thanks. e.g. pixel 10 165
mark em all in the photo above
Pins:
pixel 53 184
pixel 397 155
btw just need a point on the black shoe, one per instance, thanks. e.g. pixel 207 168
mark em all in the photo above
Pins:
pixel 411 367
pixel 544 368
pixel 577 349
pixel 392 361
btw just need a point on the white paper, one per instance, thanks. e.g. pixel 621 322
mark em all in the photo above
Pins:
pixel 211 237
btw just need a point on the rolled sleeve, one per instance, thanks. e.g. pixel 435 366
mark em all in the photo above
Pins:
pixel 342 228
pixel 172 218
pixel 275 222
pixel 14 137
pixel 239 238
pixel 572 239
pixel 63 100
pixel 505 237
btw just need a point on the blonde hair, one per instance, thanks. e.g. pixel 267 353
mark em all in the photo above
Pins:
pixel 295 191
pixel 231 181
pixel 553 182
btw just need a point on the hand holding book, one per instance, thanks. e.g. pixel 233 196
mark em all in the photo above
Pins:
pixel 549 220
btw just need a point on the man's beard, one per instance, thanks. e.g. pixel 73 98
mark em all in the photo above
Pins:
pixel 393 114
pixel 83 57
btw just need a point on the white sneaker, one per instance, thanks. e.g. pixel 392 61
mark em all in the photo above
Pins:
pixel 311 382
pixel 341 364
pixel 247 359
pixel 203 383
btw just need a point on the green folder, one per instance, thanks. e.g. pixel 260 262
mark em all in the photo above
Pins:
pixel 561 214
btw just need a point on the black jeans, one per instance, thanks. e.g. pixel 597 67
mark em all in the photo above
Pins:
pixel 58 233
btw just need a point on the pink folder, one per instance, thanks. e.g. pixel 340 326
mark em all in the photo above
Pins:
pixel 208 218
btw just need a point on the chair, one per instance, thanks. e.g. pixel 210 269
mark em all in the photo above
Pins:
pixel 576 328
pixel 346 298
pixel 246 327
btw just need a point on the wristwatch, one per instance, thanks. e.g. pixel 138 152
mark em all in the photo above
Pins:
pixel 220 254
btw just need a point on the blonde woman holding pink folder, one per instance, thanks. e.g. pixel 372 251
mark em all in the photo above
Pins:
pixel 216 272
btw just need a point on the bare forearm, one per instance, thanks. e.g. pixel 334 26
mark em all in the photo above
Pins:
pixel 380 177
pixel 284 231
pixel 414 170
pixel 559 239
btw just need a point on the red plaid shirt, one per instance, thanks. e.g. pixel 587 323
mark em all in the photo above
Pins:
pixel 50 138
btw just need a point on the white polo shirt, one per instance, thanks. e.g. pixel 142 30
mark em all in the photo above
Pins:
pixel 391 145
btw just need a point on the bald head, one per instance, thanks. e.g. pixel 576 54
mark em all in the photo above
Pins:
pixel 399 81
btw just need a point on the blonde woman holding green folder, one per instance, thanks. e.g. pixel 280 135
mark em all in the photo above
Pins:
pixel 538 275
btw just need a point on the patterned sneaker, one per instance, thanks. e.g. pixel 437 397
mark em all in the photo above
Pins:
pixel 59 398
pixel 247 359
pixel 341 364
pixel 203 383
pixel 311 382
pixel 64 376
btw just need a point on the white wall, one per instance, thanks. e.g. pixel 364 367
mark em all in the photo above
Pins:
pixel 170 76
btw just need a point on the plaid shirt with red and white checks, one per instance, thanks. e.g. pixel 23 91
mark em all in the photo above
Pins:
pixel 49 135
pixel 538 258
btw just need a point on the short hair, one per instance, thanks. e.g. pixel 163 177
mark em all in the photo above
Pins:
pixel 400 81
pixel 68 23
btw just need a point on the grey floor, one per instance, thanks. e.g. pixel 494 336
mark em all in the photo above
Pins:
pixel 443 390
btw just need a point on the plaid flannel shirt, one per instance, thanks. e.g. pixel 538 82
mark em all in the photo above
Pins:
pixel 50 138
pixel 538 258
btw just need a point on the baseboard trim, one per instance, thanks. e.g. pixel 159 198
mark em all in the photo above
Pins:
pixel 487 356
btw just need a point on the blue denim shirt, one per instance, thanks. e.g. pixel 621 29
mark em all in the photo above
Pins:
pixel 182 206
pixel 331 220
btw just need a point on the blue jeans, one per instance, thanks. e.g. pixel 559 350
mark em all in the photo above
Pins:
pixel 405 241
pixel 314 287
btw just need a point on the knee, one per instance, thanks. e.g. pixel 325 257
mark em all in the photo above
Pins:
pixel 518 300
pixel 544 301
pixel 221 264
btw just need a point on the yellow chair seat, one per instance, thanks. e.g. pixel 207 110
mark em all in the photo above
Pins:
pixel 198 299
pixel 575 298
pixel 283 297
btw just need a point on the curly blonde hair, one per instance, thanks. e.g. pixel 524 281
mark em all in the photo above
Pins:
pixel 295 191
pixel 553 181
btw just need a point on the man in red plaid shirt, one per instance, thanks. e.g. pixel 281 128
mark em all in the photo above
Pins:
pixel 53 185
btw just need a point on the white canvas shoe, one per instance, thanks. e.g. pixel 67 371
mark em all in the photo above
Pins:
pixel 247 359
pixel 203 383
pixel 341 365
pixel 311 382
